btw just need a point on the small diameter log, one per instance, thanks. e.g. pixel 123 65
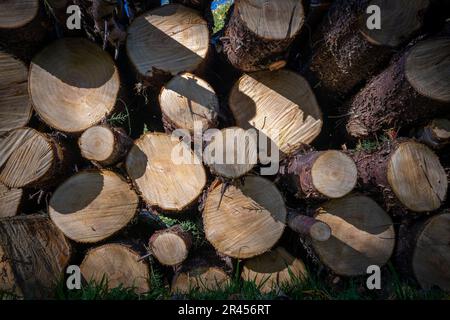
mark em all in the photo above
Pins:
pixel 10 200
pixel 166 41
pixel 188 102
pixel 23 27
pixel 118 265
pixel 29 158
pixel 308 226
pixel 362 235
pixel 245 221
pixel 15 105
pixel 73 84
pixel 279 104
pixel 33 256
pixel 404 171
pixel 260 32
pixel 274 269
pixel 93 205
pixel 412 89
pixel 348 52
pixel 170 246
pixel 436 134
pixel 167 173
pixel 320 174
pixel 203 272
pixel 232 153
pixel 104 144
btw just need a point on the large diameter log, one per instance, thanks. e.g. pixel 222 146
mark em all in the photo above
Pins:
pixel 273 270
pixel 15 105
pixel 73 84
pixel 436 134
pixel 279 104
pixel 166 172
pixel 320 174
pixel 260 32
pixel 118 265
pixel 232 153
pixel 166 41
pixel 104 144
pixel 93 205
pixel 33 256
pixel 412 89
pixel 348 52
pixel 188 101
pixel 29 158
pixel 10 200
pixel 244 221
pixel 170 246
pixel 362 235
pixel 404 171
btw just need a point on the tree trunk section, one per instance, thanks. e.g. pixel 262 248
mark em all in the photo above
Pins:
pixel 436 134
pixel 170 246
pixel 308 226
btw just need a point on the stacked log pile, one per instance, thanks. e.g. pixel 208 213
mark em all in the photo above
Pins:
pixel 204 121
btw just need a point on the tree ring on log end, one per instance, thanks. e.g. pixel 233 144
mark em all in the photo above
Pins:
pixel 203 279
pixel 97 143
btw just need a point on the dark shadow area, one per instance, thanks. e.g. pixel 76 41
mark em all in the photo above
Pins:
pixel 136 163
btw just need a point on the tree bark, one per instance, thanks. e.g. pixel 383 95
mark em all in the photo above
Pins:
pixel 308 226
pixel 436 134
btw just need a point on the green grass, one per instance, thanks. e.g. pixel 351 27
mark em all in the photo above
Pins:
pixel 220 14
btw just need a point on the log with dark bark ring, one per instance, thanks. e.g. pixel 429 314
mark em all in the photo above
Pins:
pixel 102 263
pixel 104 144
pixel 344 57
pixel 170 246
pixel 259 32
pixel 436 134
pixel 10 201
pixel 29 158
pixel 320 174
pixel 406 172
pixel 308 226
pixel 412 89
pixel 33 256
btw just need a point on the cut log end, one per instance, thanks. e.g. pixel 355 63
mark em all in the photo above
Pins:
pixel 362 235
pixel 399 20
pixel 160 166
pixel 246 221
pixel 93 205
pixel 232 153
pixel 431 258
pixel 170 246
pixel 188 100
pixel 424 68
pixel 171 39
pixel 100 264
pixel 417 177
pixel 274 269
pixel 15 105
pixel 203 279
pixel 281 105
pixel 18 13
pixel 10 200
pixel 73 84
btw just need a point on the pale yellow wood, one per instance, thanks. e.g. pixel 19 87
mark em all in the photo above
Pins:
pixel 431 259
pixel 279 104
pixel 73 84
pixel 93 205
pixel 245 221
pixel 9 201
pixel 17 13
pixel 26 155
pixel 171 38
pixel 334 174
pixel 441 128
pixel 238 146
pixel 117 264
pixel 169 248
pixel 417 177
pixel 272 20
pixel 188 99
pixel 274 269
pixel 400 19
pixel 97 143
pixel 362 235
pixel 428 68
pixel 202 279
pixel 15 105
pixel 152 164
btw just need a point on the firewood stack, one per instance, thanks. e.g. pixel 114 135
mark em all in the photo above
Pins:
pixel 201 120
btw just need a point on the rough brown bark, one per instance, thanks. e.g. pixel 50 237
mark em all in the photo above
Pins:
pixel 33 256
pixel 308 226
